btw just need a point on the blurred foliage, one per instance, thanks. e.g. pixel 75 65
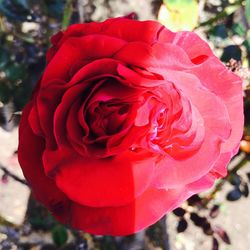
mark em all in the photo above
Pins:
pixel 25 29
pixel 179 14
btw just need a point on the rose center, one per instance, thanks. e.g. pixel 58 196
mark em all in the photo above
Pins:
pixel 107 118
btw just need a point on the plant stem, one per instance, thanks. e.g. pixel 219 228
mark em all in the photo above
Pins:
pixel 13 176
pixel 226 12
pixel 68 10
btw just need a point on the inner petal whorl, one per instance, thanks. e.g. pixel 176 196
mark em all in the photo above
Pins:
pixel 176 127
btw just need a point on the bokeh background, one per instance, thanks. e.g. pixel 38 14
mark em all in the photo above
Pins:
pixel 217 219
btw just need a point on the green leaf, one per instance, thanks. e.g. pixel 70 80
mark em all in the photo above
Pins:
pixel 219 31
pixel 59 235
pixel 246 43
pixel 239 29
pixel 247 10
pixel 68 11
pixel 179 14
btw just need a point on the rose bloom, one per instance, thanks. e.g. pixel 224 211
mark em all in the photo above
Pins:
pixel 127 122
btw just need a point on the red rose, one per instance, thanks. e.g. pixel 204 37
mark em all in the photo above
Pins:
pixel 128 121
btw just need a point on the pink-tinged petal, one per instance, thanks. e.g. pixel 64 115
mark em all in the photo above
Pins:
pixel 173 57
pixel 152 58
pixel 165 35
pixel 90 47
pixel 30 158
pixel 204 183
pixel 112 181
pixel 220 167
pixel 185 144
pixel 197 50
pixel 188 170
pixel 227 86
pixel 216 116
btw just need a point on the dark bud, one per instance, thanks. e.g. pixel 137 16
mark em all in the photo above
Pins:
pixel 132 15
pixel 235 180
pixel 245 190
pixel 198 220
pixel 231 52
pixel 248 176
pixel 214 212
pixel 215 244
pixel 48 247
pixel 179 212
pixel 247 92
pixel 194 200
pixel 5 178
pixel 222 234
pixel 234 195
pixel 182 226
pixel 207 229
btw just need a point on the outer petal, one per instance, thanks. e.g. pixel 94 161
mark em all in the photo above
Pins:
pixel 216 117
pixel 152 58
pixel 196 49
pixel 75 30
pixel 144 211
pixel 29 155
pixel 217 125
pixel 146 31
pixel 188 170
pixel 85 48
pixel 131 30
pixel 227 86
pixel 107 182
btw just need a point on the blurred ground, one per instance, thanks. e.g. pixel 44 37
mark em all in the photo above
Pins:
pixel 13 195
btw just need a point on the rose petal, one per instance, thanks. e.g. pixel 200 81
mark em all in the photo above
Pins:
pixel 197 50
pixel 143 212
pixel 152 58
pixel 90 47
pixel 98 68
pixel 216 117
pixel 227 86
pixel 43 187
pixel 145 31
pixel 188 170
pixel 136 79
pixel 113 181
